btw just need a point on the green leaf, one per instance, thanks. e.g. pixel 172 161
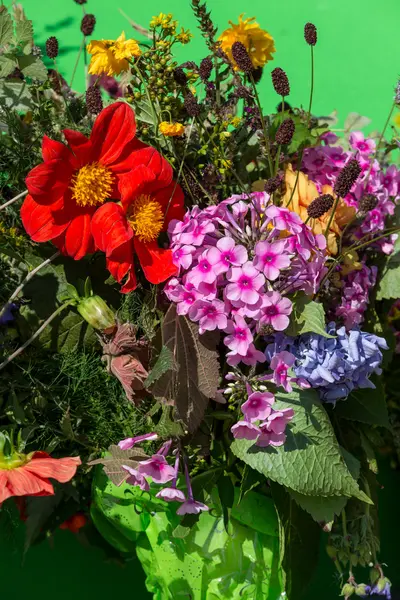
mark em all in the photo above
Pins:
pixel 299 541
pixel 366 406
pixel 355 122
pixel 33 67
pixel 195 379
pixel 389 284
pixel 7 64
pixel 250 480
pixel 307 317
pixel 114 461
pixel 165 362
pixel 6 28
pixel 310 461
pixel 24 33
pixel 144 112
pixel 88 288
pixel 15 95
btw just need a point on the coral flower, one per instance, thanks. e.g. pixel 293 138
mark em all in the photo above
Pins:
pixel 306 191
pixel 75 179
pixel 30 474
pixel 111 57
pixel 151 200
pixel 171 129
pixel 258 42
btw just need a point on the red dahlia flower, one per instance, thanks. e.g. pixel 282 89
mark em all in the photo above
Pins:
pixel 29 474
pixel 151 200
pixel 75 179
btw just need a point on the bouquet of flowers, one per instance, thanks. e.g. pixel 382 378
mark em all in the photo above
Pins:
pixel 199 309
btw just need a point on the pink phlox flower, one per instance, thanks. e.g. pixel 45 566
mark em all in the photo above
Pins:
pixel 184 295
pixel 182 256
pixel 210 315
pixel 391 180
pixel 202 272
pixel 284 219
pixel 135 478
pixel 171 494
pixel 192 507
pixel 359 142
pixel 336 156
pixel 240 336
pixel 195 232
pixel 329 137
pixel 273 430
pixel 258 406
pixel 157 468
pixel 208 291
pixel 128 443
pixel 226 254
pixel 252 357
pixel 275 311
pixel 271 258
pixel 245 283
pixel 280 364
pixel 244 430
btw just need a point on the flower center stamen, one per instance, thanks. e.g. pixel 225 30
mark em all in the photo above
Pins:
pixel 92 185
pixel 146 218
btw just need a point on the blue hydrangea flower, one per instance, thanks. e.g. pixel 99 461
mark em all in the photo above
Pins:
pixel 7 314
pixel 335 366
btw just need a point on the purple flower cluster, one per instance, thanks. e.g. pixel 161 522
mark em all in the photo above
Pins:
pixel 261 422
pixel 355 295
pixel 335 366
pixel 237 261
pixel 323 163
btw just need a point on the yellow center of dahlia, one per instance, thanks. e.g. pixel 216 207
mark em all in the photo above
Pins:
pixel 146 218
pixel 92 185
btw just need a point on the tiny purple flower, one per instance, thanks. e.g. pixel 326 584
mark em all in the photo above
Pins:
pixel 244 430
pixel 258 406
pixel 157 468
pixel 246 282
pixel 171 494
pixel 136 478
pixel 191 507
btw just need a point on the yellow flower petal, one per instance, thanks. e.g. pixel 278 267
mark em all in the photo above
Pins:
pixel 171 129
pixel 258 42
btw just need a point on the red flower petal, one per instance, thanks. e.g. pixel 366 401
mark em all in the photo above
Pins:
pixel 80 145
pixel 61 469
pixel 134 183
pixel 171 199
pixel 113 129
pixel 121 264
pixel 128 160
pixel 156 263
pixel 39 222
pixel 48 181
pixel 22 482
pixel 52 149
pixel 4 491
pixel 78 237
pixel 110 228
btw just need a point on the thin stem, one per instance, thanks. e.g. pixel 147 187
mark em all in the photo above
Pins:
pixel 34 336
pixel 21 195
pixel 331 216
pixel 77 62
pixel 28 278
pixel 379 143
pixel 344 523
pixel 267 145
pixel 85 62
pixel 312 87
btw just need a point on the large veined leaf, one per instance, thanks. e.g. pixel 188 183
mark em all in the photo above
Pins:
pixel 310 461
pixel 389 284
pixel 6 28
pixel 7 64
pixel 15 95
pixel 164 363
pixel 194 379
pixel 24 34
pixel 307 317
pixel 33 67
pixel 366 406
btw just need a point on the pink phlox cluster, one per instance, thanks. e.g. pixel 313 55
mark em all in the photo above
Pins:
pixel 237 262
pixel 355 295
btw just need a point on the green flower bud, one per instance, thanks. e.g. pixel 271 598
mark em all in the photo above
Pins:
pixel 361 590
pixel 347 590
pixel 96 312
pixel 382 583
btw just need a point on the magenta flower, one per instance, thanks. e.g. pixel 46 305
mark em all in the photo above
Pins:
pixel 202 272
pixel 225 254
pixel 258 406
pixel 184 295
pixel 183 256
pixel 271 258
pixel 171 494
pixel 246 282
pixel 362 144
pixel 269 438
pixel 136 478
pixel 273 430
pixel 211 315
pixel 275 311
pixel 191 507
pixel 157 468
pixel 195 232
pixel 240 336
pixel 128 443
pixel 284 219
pixel 280 364
pixel 252 357
pixel 243 430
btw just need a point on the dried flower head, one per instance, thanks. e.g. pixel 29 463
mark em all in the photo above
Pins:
pixel 280 82
pixel 242 92
pixel 320 206
pixel 272 184
pixel 285 132
pixel 191 105
pixel 205 69
pixel 94 100
pixel 258 43
pixel 81 1
pixel 347 178
pixel 52 47
pixel 242 58
pixel 206 25
pixel 310 34
pixel 180 76
pixel 87 24
pixel 367 203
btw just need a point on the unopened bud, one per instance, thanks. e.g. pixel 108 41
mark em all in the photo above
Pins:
pixel 361 590
pixel 96 312
pixel 382 583
pixel 347 590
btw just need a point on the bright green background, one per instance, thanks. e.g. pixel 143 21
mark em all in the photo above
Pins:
pixel 356 60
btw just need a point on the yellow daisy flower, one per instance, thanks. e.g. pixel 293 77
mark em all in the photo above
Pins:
pixel 171 129
pixel 110 57
pixel 258 42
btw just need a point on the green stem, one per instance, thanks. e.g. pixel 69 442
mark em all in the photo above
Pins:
pixel 312 87
pixel 331 217
pixel 77 62
pixel 264 128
